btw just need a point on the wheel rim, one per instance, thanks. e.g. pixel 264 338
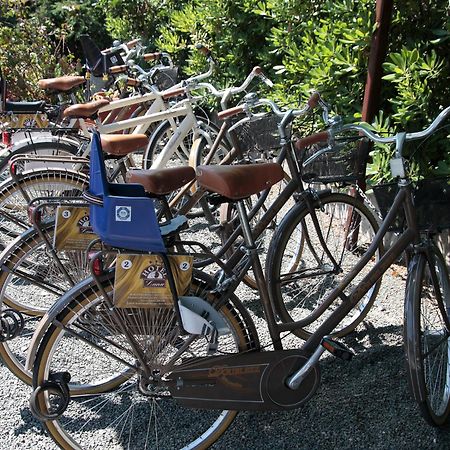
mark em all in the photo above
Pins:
pixel 306 275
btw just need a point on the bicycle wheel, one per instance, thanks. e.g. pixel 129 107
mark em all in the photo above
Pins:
pixel 158 141
pixel 50 148
pixel 35 183
pixel 30 282
pixel 300 274
pixel 140 412
pixel 427 335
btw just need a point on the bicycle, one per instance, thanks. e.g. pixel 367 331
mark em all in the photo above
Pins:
pixel 80 315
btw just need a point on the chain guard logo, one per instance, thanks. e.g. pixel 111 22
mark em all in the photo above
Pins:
pixel 84 225
pixel 123 213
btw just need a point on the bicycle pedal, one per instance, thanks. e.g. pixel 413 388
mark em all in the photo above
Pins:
pixel 337 349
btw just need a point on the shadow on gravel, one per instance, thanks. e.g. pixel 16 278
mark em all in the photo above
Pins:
pixel 29 423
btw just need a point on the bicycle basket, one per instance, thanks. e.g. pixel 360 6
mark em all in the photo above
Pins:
pixel 258 136
pixel 431 199
pixel 166 77
pixel 342 165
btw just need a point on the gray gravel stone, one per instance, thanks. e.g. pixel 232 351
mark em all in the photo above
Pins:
pixel 363 404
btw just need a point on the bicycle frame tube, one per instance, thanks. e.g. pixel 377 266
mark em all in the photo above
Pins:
pixel 179 134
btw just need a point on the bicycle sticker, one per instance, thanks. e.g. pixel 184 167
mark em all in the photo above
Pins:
pixel 185 266
pixel 123 213
pixel 141 281
pixel 126 264
pixel 66 214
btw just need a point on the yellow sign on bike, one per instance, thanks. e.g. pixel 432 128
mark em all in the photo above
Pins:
pixel 141 280
pixel 73 229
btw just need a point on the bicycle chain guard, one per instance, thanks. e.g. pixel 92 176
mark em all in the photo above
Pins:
pixel 244 381
pixel 57 397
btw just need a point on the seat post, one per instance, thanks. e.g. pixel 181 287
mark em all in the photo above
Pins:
pixel 252 251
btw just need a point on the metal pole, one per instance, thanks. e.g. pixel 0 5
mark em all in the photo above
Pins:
pixel 372 92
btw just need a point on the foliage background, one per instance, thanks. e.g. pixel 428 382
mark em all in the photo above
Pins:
pixel 318 44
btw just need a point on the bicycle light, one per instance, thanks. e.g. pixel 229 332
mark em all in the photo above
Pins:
pixel 96 264
pixel 6 138
pixel 13 169
pixel 34 215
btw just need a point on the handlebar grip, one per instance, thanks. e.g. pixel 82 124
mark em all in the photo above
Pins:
pixel 118 69
pixel 174 93
pixel 313 101
pixel 133 43
pixel 257 70
pixel 302 143
pixel 152 56
pixel 133 82
pixel 230 112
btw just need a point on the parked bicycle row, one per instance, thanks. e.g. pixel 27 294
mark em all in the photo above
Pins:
pixel 123 253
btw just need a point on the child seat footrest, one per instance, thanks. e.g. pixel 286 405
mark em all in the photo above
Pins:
pixel 174 226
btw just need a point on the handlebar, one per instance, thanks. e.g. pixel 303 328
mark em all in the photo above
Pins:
pixel 398 138
pixel 327 137
pixel 253 102
pixel 408 136
pixel 225 94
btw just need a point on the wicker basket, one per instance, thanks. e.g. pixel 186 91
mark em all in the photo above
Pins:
pixel 340 166
pixel 431 199
pixel 166 77
pixel 259 135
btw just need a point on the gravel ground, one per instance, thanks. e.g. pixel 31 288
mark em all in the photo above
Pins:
pixel 359 405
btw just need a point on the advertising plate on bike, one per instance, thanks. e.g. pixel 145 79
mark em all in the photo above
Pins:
pixel 141 281
pixel 73 229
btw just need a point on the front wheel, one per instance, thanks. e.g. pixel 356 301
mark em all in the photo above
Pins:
pixel 300 273
pixel 427 335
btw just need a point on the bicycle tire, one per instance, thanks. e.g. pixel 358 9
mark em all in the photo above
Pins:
pixel 121 415
pixel 159 138
pixel 30 282
pixel 426 335
pixel 36 183
pixel 290 257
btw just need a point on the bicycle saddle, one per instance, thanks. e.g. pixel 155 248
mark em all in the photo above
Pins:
pixel 161 181
pixel 25 107
pixel 119 145
pixel 85 110
pixel 239 181
pixel 61 84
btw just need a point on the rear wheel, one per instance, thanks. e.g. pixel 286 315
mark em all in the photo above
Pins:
pixel 50 148
pixel 14 196
pixel 140 412
pixel 427 335
pixel 30 282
